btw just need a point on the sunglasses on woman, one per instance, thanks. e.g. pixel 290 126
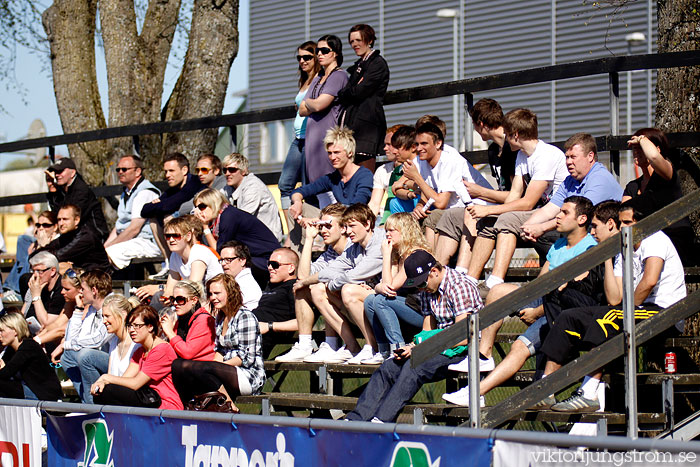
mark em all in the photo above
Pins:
pixel 323 50
pixel 305 58
pixel 173 236
pixel 201 206
pixel 180 300
pixel 44 225
pixel 231 170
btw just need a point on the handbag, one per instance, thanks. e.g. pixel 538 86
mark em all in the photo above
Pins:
pixel 148 397
pixel 210 402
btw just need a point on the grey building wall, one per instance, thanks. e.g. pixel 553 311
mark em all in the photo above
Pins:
pixel 500 36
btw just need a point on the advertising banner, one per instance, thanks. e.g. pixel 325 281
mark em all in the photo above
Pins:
pixel 20 437
pixel 118 440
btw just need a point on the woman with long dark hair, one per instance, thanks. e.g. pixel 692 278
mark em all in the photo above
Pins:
pixel 363 96
pixel 322 107
pixel 294 168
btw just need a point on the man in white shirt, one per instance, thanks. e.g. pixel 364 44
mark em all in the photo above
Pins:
pixel 247 192
pixel 131 236
pixel 539 170
pixel 236 262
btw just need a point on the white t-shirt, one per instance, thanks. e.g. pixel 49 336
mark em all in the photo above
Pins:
pixel 142 197
pixel 118 366
pixel 382 175
pixel 670 288
pixel 446 176
pixel 470 174
pixel 197 253
pixel 250 289
pixel 546 163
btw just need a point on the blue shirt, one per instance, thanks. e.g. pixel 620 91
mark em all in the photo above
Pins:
pixel 559 254
pixel 598 185
pixel 357 190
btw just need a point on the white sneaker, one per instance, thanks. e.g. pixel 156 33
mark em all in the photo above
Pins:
pixel 463 366
pixel 323 353
pixel 376 359
pixel 296 354
pixel 376 420
pixel 461 397
pixel 363 354
pixel 341 355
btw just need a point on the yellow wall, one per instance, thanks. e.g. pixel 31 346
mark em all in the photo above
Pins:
pixel 12 226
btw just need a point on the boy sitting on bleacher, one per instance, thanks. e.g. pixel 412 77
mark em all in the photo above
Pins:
pixel 659 283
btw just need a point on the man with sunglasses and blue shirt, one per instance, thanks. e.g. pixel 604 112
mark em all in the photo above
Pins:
pixel 131 236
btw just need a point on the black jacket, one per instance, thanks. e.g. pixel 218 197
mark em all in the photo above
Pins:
pixel 362 99
pixel 80 194
pixel 31 365
pixel 82 247
pixel 172 198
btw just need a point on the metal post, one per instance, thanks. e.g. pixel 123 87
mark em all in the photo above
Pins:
pixel 469 131
pixel 614 165
pixel 455 76
pixel 234 138
pixel 628 326
pixel 137 145
pixel 127 287
pixel 474 375
pixel 667 396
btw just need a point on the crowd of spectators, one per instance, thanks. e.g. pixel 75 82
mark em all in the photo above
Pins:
pixel 396 253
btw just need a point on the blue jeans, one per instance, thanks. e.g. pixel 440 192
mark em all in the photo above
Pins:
pixel 83 367
pixel 402 205
pixel 394 384
pixel 384 313
pixel 293 171
pixel 21 265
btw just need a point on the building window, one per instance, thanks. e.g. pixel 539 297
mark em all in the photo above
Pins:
pixel 275 138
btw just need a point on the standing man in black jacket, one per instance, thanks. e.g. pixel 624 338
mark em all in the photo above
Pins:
pixel 72 189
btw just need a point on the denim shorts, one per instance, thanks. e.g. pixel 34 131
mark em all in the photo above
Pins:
pixel 532 337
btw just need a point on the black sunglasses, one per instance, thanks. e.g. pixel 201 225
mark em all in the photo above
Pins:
pixel 123 169
pixel 323 50
pixel 306 58
pixel 45 226
pixel 275 264
pixel 231 170
pixel 71 274
pixel 180 300
pixel 201 206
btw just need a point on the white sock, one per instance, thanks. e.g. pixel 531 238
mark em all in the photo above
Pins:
pixel 367 347
pixel 463 270
pixel 305 341
pixel 333 342
pixel 493 281
pixel 590 388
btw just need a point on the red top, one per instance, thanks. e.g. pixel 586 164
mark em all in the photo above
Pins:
pixel 156 365
pixel 199 344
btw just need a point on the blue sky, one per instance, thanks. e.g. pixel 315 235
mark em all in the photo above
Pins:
pixel 41 103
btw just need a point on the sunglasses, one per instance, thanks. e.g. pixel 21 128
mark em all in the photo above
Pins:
pixel 231 170
pixel 58 171
pixel 306 58
pixel 123 169
pixel 180 300
pixel 45 226
pixel 202 170
pixel 275 264
pixel 323 50
pixel 228 260
pixel 173 236
pixel 201 206
pixel 71 274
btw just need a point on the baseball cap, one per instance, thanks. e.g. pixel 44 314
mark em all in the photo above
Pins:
pixel 63 163
pixel 417 267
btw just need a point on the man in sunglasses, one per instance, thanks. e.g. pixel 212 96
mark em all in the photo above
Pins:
pixel 72 189
pixel 131 236
pixel 275 312
pixel 247 192
pixel 447 297
pixel 208 170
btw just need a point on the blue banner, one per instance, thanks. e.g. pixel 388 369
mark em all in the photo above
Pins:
pixel 117 440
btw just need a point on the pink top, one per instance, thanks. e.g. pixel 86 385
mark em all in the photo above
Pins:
pixel 199 344
pixel 157 366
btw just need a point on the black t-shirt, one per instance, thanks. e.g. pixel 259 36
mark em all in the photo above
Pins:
pixel 503 166
pixel 31 364
pixel 276 303
pixel 51 298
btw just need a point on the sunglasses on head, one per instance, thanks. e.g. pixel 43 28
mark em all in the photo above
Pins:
pixel 173 236
pixel 201 206
pixel 306 58
pixel 202 170
pixel 323 50
pixel 44 225
pixel 71 274
pixel 123 169
pixel 180 300
pixel 231 170
pixel 275 264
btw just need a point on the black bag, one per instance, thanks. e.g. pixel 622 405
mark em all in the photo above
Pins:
pixel 148 397
pixel 210 402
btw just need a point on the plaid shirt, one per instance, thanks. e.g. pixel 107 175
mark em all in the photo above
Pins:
pixel 243 340
pixel 456 295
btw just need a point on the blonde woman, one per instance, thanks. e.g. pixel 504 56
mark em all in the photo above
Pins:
pixel 389 304
pixel 191 331
pixel 121 347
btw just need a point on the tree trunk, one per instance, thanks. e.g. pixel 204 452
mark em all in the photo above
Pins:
pixel 70 29
pixel 201 89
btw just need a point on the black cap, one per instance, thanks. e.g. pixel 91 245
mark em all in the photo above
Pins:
pixel 417 267
pixel 63 163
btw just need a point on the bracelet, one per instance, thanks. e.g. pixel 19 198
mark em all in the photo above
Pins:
pixel 81 308
pixel 161 287
pixel 270 325
pixel 207 231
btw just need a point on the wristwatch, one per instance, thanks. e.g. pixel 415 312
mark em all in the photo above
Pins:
pixel 36 299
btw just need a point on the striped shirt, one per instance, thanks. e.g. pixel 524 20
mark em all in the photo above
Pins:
pixel 456 295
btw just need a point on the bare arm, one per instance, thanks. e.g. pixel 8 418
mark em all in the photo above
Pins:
pixel 131 231
pixel 652 270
